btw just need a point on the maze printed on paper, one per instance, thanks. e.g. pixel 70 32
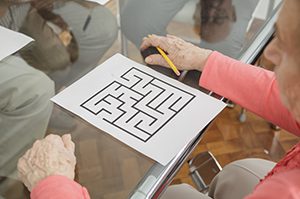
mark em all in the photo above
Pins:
pixel 138 103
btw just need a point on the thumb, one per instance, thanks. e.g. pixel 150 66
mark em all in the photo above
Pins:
pixel 68 142
pixel 156 59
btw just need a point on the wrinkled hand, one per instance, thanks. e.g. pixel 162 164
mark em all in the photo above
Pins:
pixel 184 55
pixel 53 155
pixel 42 4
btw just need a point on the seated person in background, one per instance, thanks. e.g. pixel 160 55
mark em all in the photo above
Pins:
pixel 93 36
pixel 278 100
pixel 25 110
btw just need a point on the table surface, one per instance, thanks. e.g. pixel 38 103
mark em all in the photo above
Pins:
pixel 105 166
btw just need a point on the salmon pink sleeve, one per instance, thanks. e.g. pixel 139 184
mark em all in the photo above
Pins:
pixel 282 185
pixel 58 187
pixel 251 87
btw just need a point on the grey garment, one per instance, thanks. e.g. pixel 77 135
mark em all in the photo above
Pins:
pixel 239 178
pixel 235 181
pixel 25 109
pixel 142 17
pixel 93 42
pixel 139 18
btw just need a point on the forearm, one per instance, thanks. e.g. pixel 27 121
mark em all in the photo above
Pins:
pixel 252 87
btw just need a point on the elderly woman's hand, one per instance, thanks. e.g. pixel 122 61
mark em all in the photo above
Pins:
pixel 184 55
pixel 53 155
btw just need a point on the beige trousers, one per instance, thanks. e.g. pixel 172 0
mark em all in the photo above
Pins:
pixel 235 181
pixel 25 110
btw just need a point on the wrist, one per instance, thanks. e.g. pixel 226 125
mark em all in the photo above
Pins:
pixel 200 58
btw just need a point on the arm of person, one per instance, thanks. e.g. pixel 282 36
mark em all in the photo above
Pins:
pixel 59 187
pixel 282 185
pixel 252 87
pixel 47 169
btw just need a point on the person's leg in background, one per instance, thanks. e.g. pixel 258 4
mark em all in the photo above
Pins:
pixel 239 178
pixel 236 180
pixel 94 40
pixel 142 17
pixel 25 110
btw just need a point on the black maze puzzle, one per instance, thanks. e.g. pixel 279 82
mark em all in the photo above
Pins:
pixel 138 103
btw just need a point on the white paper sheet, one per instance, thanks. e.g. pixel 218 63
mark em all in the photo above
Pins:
pixel 150 112
pixel 102 2
pixel 11 42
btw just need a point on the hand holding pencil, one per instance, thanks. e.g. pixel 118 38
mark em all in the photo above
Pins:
pixel 183 55
pixel 166 58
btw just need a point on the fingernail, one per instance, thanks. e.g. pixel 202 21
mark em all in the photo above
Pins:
pixel 148 60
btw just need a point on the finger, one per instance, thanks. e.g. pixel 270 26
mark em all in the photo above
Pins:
pixel 146 43
pixel 173 37
pixel 35 146
pixel 54 140
pixel 52 137
pixel 156 41
pixel 156 59
pixel 27 154
pixel 161 42
pixel 68 143
pixel 22 166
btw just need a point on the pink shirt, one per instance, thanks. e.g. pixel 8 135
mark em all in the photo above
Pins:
pixel 236 81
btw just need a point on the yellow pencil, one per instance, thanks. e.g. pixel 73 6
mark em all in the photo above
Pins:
pixel 163 54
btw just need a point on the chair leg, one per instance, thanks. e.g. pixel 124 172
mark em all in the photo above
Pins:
pixel 203 168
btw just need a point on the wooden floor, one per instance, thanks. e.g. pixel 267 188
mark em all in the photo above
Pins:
pixel 228 139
